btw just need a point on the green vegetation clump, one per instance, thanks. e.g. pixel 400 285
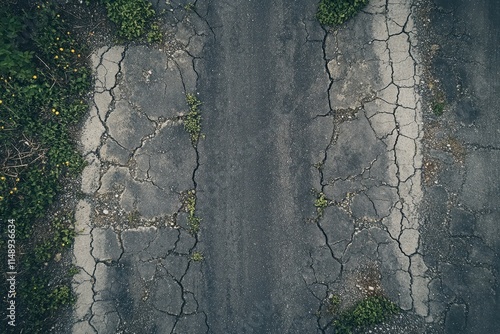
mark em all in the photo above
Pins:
pixel 134 19
pixel 368 312
pixel 190 205
pixel 336 12
pixel 190 6
pixel 320 203
pixel 44 82
pixel 192 120
pixel 39 104
pixel 197 257
pixel 438 103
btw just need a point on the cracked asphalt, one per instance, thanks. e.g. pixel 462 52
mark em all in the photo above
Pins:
pixel 290 110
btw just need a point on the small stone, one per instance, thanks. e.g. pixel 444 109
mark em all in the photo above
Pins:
pixel 58 257
pixel 371 288
pixel 105 211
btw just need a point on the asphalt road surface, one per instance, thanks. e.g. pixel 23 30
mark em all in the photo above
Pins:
pixel 462 241
pixel 263 83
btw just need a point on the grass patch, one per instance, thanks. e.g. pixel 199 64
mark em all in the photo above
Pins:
pixel 192 120
pixel 368 312
pixel 336 12
pixel 44 82
pixel 134 19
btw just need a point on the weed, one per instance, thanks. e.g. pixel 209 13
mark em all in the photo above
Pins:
pixel 370 311
pixel 44 299
pixel 336 12
pixel 154 35
pixel 133 217
pixel 438 100
pixel 192 120
pixel 334 302
pixel 133 18
pixel 321 203
pixel 197 257
pixel 190 206
pixel 73 270
pixel 189 7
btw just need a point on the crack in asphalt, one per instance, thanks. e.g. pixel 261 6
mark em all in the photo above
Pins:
pixel 398 126
pixel 95 314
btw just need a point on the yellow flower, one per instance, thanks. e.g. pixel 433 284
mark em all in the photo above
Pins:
pixel 57 112
pixel 78 55
pixel 68 33
pixel 1 101
pixel 61 49
pixel 67 163
pixel 57 38
pixel 56 57
pixel 1 198
pixel 17 179
pixel 58 15
pixel 72 50
pixel 53 110
pixel 11 192
pixel 15 189
pixel 2 178
pixel 34 77
pixel 75 70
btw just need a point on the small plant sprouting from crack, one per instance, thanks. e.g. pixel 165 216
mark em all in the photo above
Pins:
pixel 438 102
pixel 189 7
pixel 190 207
pixel 197 257
pixel 192 121
pixel 133 217
pixel 321 203
pixel 333 303
pixel 438 105
pixel 318 165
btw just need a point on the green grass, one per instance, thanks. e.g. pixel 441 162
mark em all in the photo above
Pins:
pixel 336 12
